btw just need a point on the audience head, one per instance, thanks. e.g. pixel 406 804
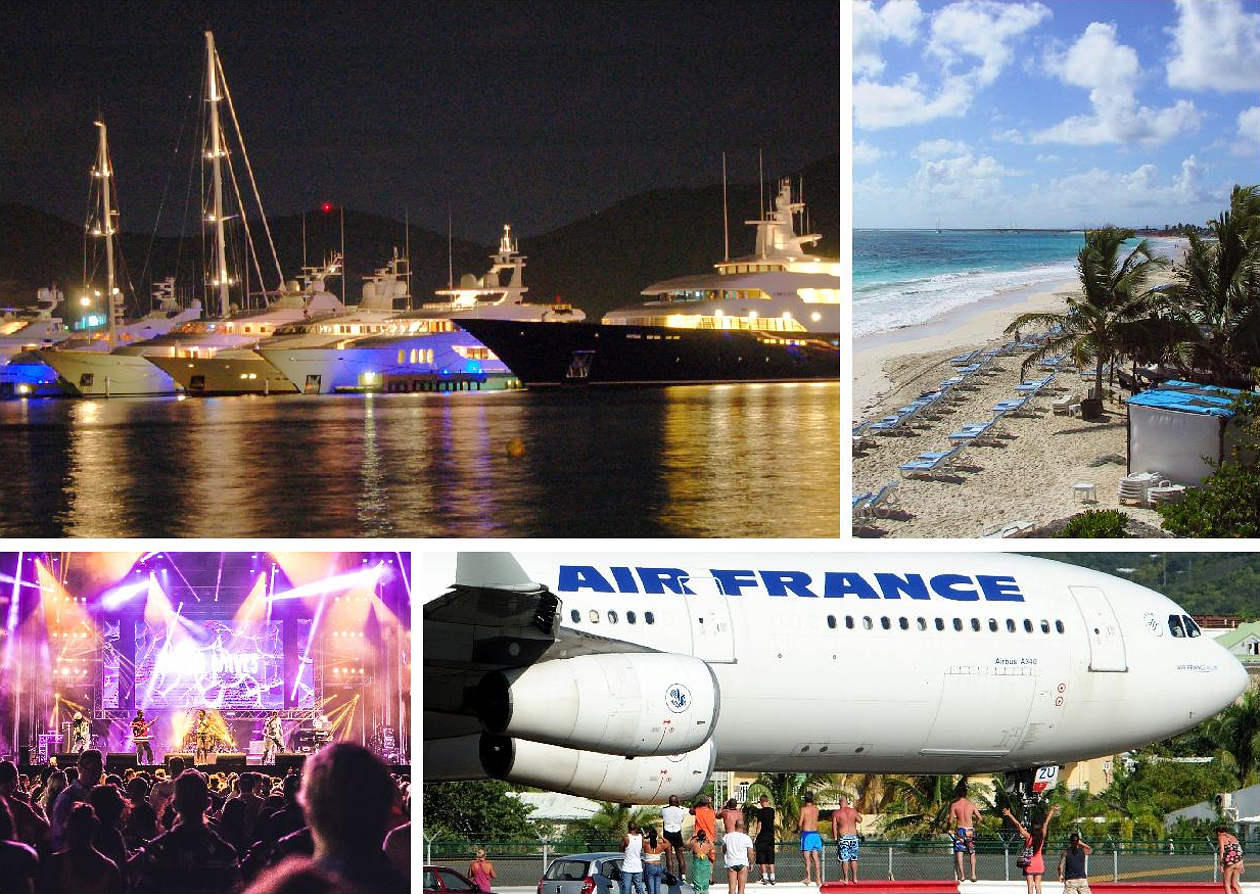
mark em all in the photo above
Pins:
pixel 347 795
pixel 91 766
pixel 177 766
pixel 191 796
pixel 81 826
pixel 290 788
pixel 8 777
pixel 108 804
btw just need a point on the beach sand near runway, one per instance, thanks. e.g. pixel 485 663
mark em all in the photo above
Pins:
pixel 1029 478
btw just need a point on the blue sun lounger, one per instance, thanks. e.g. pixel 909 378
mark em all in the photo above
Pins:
pixel 938 461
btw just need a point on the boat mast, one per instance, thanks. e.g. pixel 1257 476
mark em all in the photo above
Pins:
pixel 104 171
pixel 726 230
pixel 216 152
pixel 761 190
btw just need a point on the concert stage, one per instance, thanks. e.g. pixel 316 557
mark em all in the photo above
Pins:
pixel 212 647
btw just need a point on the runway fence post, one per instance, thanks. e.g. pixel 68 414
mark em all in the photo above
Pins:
pixel 544 856
pixel 1115 862
pixel 1215 867
pixel 890 865
pixel 1006 861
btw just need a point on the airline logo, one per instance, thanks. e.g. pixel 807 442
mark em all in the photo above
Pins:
pixel 827 584
pixel 678 698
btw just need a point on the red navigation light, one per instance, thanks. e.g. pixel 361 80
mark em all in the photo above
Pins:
pixel 327 207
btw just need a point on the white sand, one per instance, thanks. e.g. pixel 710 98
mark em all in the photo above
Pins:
pixel 1029 478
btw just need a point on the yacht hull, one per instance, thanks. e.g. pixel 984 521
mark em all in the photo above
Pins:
pixel 554 355
pixel 361 366
pixel 231 375
pixel 26 375
pixel 104 374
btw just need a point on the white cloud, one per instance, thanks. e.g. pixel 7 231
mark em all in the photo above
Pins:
pixel 1110 71
pixel 866 154
pixel 1012 135
pixel 896 20
pixel 1045 159
pixel 1108 195
pixel 938 149
pixel 1189 183
pixel 962 177
pixel 1248 132
pixel 1216 46
pixel 973 41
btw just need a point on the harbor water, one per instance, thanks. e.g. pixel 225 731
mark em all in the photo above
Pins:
pixel 698 461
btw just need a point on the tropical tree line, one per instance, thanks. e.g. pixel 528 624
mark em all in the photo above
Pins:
pixel 1204 323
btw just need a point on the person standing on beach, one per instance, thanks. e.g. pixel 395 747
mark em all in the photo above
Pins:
pixel 672 817
pixel 632 860
pixel 763 844
pixel 705 818
pixel 844 828
pixel 731 816
pixel 1033 860
pixel 1072 866
pixel 963 817
pixel 811 841
pixel 701 861
pixel 738 853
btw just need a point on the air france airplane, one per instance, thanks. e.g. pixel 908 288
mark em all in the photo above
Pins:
pixel 631 678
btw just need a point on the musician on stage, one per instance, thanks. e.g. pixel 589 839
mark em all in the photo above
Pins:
pixel 272 738
pixel 141 736
pixel 205 739
pixel 80 734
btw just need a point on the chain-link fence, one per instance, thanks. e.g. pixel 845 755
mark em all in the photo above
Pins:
pixel 521 864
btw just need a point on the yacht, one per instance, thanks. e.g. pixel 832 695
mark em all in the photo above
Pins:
pixel 773 315
pixel 28 329
pixel 421 348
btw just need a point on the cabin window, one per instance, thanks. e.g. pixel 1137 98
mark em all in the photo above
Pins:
pixel 649 618
pixel 866 622
pixel 904 623
pixel 885 623
pixel 1175 626
pixel 831 621
pixel 401 355
pixel 940 623
pixel 1010 625
pixel 958 624
pixel 922 622
pixel 848 621
pixel 975 624
pixel 993 625
pixel 630 617
pixel 1045 626
pixel 594 616
pixel 1058 626
pixel 1028 628
pixel 612 617
pixel 575 616
pixel 1192 629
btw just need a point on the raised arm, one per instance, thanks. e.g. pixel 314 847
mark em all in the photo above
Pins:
pixel 1018 825
pixel 1045 826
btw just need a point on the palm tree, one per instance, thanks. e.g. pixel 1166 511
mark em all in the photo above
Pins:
pixel 786 792
pixel 919 805
pixel 1216 295
pixel 610 822
pixel 1114 301
pixel 1237 731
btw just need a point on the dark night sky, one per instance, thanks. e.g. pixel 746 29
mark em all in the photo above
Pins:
pixel 538 113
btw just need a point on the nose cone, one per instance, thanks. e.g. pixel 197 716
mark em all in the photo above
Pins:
pixel 1229 682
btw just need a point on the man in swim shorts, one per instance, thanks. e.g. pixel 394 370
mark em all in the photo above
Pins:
pixel 844 828
pixel 811 841
pixel 963 816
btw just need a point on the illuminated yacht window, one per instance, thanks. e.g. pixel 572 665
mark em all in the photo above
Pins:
pixel 940 623
pixel 576 616
pixel 1010 625
pixel 831 621
pixel 612 617
pixel 594 616
pixel 1028 628
pixel 885 623
pixel 904 623
pixel 993 625
pixel 1192 629
pixel 848 621
pixel 866 622
pixel 630 617
pixel 1045 626
pixel 958 624
pixel 1175 626
pixel 1058 626
pixel 922 622
pixel 649 618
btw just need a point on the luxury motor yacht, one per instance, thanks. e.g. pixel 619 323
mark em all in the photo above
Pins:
pixel 28 329
pixel 773 315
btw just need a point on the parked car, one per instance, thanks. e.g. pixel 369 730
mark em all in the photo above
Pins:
pixel 444 880
pixel 595 873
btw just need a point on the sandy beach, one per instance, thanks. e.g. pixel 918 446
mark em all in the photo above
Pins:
pixel 1029 476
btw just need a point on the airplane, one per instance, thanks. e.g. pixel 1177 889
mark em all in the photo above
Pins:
pixel 632 677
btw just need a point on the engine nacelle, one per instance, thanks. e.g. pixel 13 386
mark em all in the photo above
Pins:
pixel 604 777
pixel 627 703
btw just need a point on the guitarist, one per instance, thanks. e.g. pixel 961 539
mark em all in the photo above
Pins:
pixel 272 738
pixel 141 735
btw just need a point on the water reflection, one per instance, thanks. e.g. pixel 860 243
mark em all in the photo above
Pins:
pixel 710 461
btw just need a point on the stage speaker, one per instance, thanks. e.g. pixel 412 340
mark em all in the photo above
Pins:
pixel 116 763
pixel 24 755
pixel 228 762
pixel 188 760
pixel 286 761
pixel 65 759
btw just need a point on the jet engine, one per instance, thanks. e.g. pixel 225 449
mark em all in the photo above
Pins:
pixel 604 777
pixel 627 703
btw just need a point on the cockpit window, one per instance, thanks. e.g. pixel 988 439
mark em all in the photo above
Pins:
pixel 1192 629
pixel 1175 625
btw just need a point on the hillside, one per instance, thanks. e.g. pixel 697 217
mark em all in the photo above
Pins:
pixel 599 262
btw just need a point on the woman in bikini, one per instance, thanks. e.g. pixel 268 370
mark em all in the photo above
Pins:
pixel 1034 844
pixel 1230 854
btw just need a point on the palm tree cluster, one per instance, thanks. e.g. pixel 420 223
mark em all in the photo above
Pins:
pixel 1204 323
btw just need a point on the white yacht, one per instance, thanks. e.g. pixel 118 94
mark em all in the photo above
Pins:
pixel 28 329
pixel 421 348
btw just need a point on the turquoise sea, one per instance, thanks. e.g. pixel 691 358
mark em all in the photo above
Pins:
pixel 906 277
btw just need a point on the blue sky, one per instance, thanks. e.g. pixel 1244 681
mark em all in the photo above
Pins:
pixel 1057 113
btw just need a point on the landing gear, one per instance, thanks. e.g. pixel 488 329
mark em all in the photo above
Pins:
pixel 1029 787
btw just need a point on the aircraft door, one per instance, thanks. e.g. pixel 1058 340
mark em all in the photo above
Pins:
pixel 1007 696
pixel 709 614
pixel 1106 641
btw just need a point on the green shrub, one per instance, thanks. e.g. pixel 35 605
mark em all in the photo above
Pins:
pixel 1096 523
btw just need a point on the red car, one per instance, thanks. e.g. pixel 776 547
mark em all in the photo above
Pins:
pixel 444 880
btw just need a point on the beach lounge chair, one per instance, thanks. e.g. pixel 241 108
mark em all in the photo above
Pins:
pixel 860 502
pixel 889 424
pixel 939 461
pixel 1135 488
pixel 884 501
pixel 964 359
pixel 1065 403
pixel 1021 406
pixel 1035 386
pixel 977 432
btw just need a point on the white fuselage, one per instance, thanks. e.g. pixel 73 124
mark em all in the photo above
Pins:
pixel 1005 662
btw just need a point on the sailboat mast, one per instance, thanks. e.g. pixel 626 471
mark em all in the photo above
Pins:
pixel 216 151
pixel 726 230
pixel 107 228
